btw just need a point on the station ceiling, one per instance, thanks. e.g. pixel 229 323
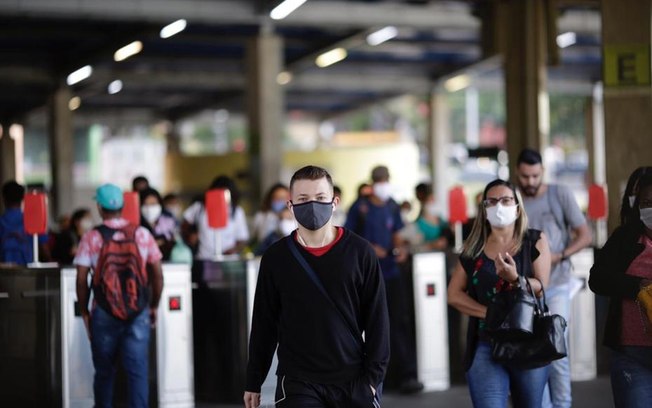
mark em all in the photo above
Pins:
pixel 42 41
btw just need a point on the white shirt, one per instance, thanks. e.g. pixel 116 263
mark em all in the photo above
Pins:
pixel 235 230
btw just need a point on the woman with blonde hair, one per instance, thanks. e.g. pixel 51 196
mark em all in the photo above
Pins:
pixel 499 248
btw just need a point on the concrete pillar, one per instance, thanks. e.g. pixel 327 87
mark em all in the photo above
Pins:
pixel 438 142
pixel 7 155
pixel 523 45
pixel 626 37
pixel 266 107
pixel 62 157
pixel 472 108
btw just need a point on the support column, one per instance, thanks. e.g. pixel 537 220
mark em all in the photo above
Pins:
pixel 626 37
pixel 62 157
pixel 438 142
pixel 523 45
pixel 266 106
pixel 7 155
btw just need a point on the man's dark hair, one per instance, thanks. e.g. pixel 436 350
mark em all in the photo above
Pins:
pixel 311 173
pixel 529 157
pixel 111 213
pixel 12 194
pixel 422 190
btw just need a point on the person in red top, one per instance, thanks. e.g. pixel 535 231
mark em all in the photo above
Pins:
pixel 111 335
pixel 318 290
pixel 622 268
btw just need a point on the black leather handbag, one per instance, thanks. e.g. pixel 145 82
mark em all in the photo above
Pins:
pixel 510 315
pixel 546 344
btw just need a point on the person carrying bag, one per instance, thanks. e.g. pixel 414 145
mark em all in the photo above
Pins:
pixel 503 260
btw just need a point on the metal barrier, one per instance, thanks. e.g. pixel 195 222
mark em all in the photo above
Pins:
pixel 174 353
pixel 581 330
pixel 431 320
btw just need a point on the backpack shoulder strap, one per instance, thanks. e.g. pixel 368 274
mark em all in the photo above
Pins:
pixel 555 205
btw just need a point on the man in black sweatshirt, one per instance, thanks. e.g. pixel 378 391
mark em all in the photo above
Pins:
pixel 317 317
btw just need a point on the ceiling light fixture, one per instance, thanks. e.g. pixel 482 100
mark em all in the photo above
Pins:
pixel 331 57
pixel 284 9
pixel 566 39
pixel 457 83
pixel 173 28
pixel 79 75
pixel 115 87
pixel 127 51
pixel 284 78
pixel 74 103
pixel 382 35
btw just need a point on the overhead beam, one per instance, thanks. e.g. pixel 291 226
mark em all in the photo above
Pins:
pixel 313 13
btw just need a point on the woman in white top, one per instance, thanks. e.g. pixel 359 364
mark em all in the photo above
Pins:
pixel 234 236
pixel 266 220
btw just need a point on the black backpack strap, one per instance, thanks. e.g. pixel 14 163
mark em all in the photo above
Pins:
pixel 315 279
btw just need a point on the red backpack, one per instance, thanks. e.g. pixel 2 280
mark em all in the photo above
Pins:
pixel 120 279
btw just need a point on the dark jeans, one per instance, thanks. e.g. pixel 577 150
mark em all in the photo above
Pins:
pixel 110 336
pixel 292 393
pixel 631 381
pixel 490 383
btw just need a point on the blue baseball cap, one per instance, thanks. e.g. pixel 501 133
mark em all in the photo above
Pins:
pixel 109 196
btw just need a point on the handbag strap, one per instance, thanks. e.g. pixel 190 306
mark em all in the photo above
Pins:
pixel 315 279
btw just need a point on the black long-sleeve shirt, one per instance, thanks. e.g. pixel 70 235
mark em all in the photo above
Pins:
pixel 314 342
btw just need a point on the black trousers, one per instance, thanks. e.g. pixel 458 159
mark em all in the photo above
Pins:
pixel 293 393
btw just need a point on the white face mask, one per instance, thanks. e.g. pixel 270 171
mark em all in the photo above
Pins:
pixel 501 216
pixel 632 198
pixel 646 216
pixel 86 224
pixel 383 190
pixel 286 226
pixel 151 212
pixel 431 209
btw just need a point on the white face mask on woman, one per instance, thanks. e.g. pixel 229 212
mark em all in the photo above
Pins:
pixel 501 215
pixel 151 212
pixel 646 216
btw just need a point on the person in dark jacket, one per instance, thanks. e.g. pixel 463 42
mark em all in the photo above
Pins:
pixel 622 268
pixel 317 320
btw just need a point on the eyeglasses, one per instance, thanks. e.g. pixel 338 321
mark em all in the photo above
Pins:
pixel 506 201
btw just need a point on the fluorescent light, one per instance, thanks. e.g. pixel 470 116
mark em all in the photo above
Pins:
pixel 284 78
pixel 74 103
pixel 457 83
pixel 173 28
pixel 566 39
pixel 115 87
pixel 284 9
pixel 79 75
pixel 330 57
pixel 128 51
pixel 382 35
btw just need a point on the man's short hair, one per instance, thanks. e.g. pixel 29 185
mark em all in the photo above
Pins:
pixel 379 173
pixel 12 193
pixel 529 157
pixel 311 173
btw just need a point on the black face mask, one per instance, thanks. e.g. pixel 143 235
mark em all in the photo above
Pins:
pixel 314 214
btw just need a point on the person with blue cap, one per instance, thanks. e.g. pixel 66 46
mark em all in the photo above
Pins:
pixel 127 283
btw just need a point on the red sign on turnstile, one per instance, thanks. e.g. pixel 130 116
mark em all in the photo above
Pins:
pixel 35 213
pixel 131 208
pixel 597 202
pixel 217 207
pixel 457 205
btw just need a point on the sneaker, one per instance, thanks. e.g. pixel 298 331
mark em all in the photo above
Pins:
pixel 411 386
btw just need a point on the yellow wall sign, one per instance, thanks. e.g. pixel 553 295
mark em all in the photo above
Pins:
pixel 627 65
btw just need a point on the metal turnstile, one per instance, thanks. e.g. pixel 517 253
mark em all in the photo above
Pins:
pixel 431 320
pixel 581 329
pixel 30 337
pixel 174 342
